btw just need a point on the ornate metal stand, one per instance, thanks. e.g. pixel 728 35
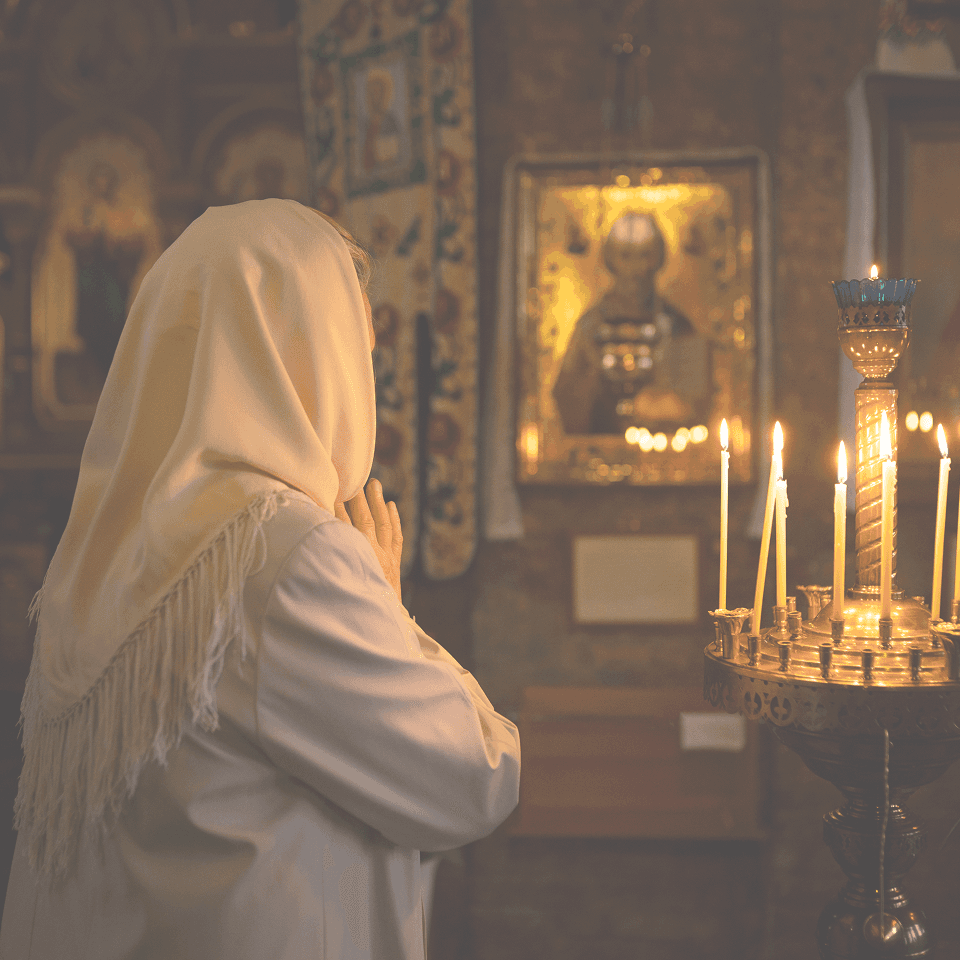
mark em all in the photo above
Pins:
pixel 872 706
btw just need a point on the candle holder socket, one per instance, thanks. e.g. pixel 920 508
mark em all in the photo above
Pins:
pixel 826 659
pixel 885 631
pixel 916 662
pixel 779 630
pixel 791 604
pixel 866 665
pixel 836 630
pixel 783 647
pixel 753 648
pixel 794 623
pixel 729 624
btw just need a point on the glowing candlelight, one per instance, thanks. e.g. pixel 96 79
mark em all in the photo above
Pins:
pixel 839 532
pixel 874 272
pixel 886 522
pixel 941 524
pixel 781 539
pixel 776 471
pixel 956 569
pixel 724 510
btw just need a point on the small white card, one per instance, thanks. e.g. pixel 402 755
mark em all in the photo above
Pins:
pixel 713 731
pixel 635 579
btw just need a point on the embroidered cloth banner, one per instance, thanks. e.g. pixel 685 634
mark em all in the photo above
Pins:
pixel 388 110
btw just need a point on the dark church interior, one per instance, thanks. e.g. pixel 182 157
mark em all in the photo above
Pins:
pixel 598 227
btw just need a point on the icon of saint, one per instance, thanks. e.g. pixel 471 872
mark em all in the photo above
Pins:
pixel 633 359
pixel 381 138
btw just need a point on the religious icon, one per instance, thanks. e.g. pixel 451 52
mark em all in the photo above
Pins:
pixel 102 238
pixel 381 135
pixel 383 117
pixel 637 317
pixel 626 358
pixel 107 249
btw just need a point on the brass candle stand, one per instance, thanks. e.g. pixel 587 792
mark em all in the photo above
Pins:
pixel 871 705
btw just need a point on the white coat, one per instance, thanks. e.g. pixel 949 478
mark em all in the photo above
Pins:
pixel 348 742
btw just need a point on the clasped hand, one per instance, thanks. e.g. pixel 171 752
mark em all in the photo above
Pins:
pixel 379 522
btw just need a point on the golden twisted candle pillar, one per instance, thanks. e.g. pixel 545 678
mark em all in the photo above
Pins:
pixel 872 401
pixel 874 330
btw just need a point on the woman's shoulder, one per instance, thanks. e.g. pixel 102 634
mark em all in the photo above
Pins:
pixel 303 536
pixel 295 507
pixel 296 517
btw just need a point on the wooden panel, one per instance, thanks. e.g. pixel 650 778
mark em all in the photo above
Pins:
pixel 609 762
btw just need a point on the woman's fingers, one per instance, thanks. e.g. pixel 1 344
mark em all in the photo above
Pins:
pixel 381 515
pixel 396 534
pixel 360 515
pixel 379 522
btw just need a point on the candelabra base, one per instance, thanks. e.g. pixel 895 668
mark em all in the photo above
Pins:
pixel 837 727
pixel 848 931
pixel 850 926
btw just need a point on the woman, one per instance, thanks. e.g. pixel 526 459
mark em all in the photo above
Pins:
pixel 236 739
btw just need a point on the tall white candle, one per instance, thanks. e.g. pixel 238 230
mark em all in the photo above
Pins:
pixel 956 568
pixel 839 533
pixel 781 542
pixel 889 482
pixel 724 510
pixel 941 524
pixel 776 470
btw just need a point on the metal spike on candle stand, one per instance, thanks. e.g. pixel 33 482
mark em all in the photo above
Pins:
pixel 831 685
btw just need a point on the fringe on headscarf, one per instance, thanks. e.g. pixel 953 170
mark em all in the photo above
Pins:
pixel 80 766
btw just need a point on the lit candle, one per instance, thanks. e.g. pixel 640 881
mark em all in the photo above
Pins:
pixel 776 471
pixel 839 532
pixel 941 524
pixel 724 510
pixel 886 521
pixel 956 568
pixel 781 539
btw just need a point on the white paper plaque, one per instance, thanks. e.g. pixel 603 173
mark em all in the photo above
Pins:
pixel 635 579
pixel 713 731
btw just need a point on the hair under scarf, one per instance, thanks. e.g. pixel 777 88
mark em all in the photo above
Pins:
pixel 243 370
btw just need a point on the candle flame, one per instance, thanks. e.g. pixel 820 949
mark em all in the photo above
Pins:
pixel 777 438
pixel 886 448
pixel 874 272
pixel 531 442
pixel 942 440
pixel 723 433
pixel 842 464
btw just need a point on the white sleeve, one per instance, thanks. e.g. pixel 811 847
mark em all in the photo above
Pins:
pixel 361 705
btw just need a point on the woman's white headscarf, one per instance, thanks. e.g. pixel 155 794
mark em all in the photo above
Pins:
pixel 243 370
